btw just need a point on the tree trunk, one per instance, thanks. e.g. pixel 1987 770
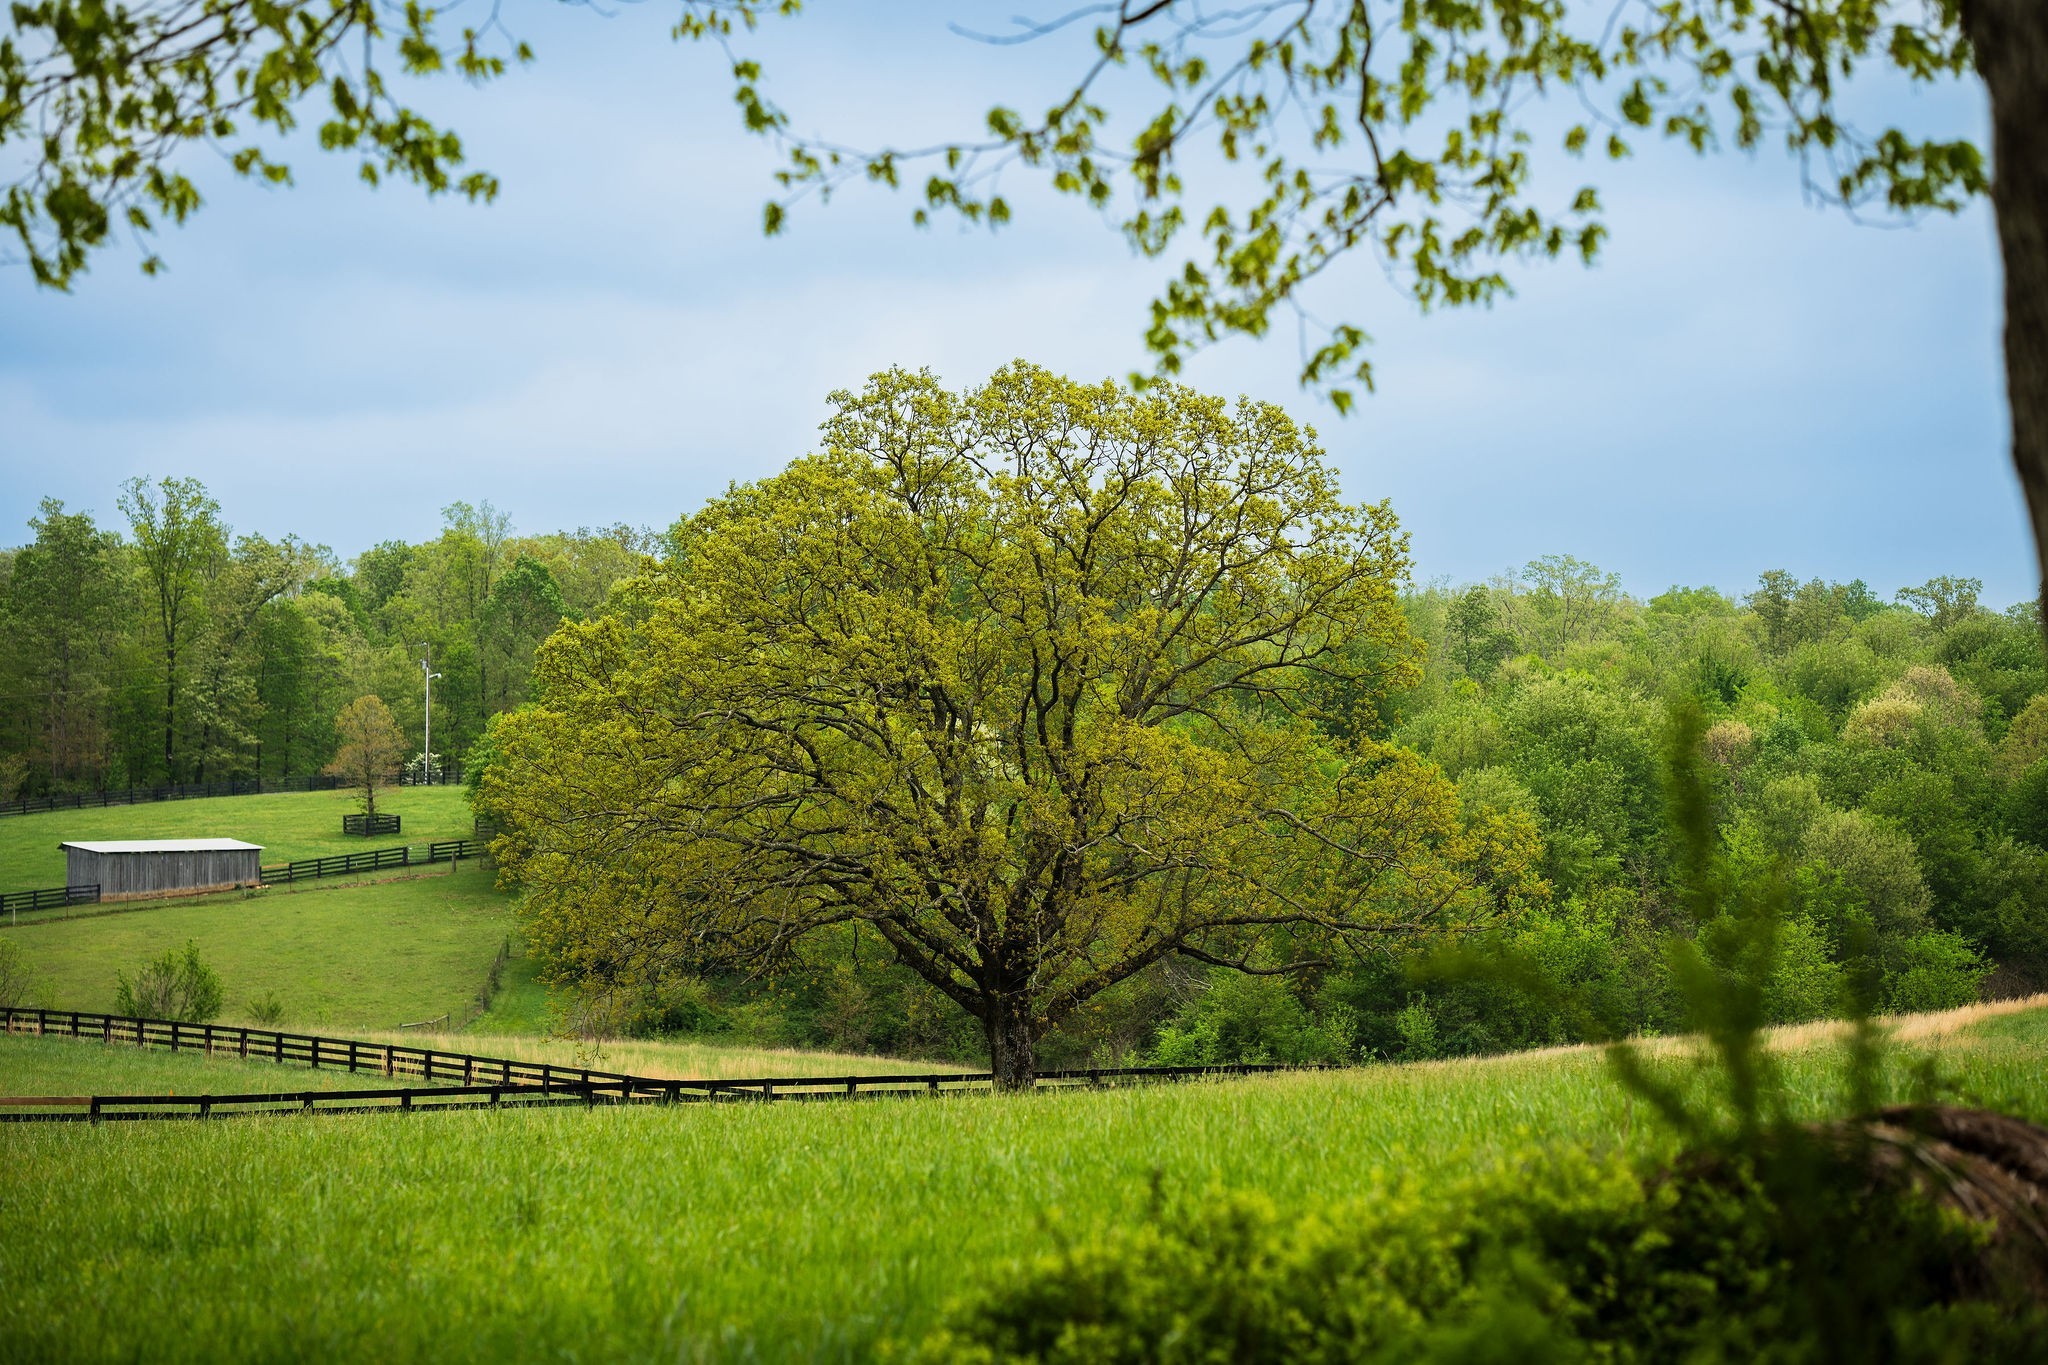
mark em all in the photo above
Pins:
pixel 1012 1041
pixel 170 710
pixel 2010 38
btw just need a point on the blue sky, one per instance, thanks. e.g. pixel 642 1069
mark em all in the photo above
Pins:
pixel 1744 382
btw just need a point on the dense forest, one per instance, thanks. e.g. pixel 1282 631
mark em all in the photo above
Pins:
pixel 173 649
pixel 1890 752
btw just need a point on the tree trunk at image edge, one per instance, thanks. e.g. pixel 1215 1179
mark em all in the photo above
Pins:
pixel 1011 1042
pixel 2010 38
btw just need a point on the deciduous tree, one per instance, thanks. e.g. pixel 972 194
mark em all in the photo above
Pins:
pixel 371 749
pixel 180 542
pixel 1029 679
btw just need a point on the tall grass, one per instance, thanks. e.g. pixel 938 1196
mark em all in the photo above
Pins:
pixel 679 1059
pixel 744 1231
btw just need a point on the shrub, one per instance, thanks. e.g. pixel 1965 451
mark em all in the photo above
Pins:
pixel 1935 971
pixel 267 1010
pixel 1570 1259
pixel 175 986
pixel 17 982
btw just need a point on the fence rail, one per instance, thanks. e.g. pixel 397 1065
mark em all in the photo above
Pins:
pixel 370 824
pixel 448 775
pixel 50 899
pixel 374 860
pixel 483 1080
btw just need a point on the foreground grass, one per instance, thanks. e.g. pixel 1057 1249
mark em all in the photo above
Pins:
pixel 339 958
pixel 743 1231
pixel 289 825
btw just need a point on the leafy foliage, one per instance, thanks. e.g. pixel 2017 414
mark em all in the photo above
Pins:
pixel 176 986
pixel 371 749
pixel 1043 684
pixel 183 651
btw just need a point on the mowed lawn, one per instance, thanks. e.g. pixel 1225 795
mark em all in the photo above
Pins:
pixel 743 1232
pixel 289 825
pixel 340 958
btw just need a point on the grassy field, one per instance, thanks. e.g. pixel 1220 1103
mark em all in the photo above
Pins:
pixel 681 1060
pixel 340 958
pixel 288 825
pixel 740 1232
pixel 71 1066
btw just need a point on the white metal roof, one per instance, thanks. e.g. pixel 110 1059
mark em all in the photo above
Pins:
pixel 160 845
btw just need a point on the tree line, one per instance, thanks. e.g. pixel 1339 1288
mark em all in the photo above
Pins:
pixel 1886 752
pixel 168 647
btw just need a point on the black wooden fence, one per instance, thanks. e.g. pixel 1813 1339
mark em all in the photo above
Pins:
pixel 374 860
pixel 367 825
pixel 51 899
pixel 484 1081
pixel 449 775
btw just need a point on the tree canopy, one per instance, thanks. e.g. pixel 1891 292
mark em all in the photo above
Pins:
pixel 1041 683
pixel 371 749
pixel 1409 131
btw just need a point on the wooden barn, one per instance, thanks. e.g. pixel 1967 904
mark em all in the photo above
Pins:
pixel 124 869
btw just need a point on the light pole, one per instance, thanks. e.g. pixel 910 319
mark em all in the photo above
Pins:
pixel 427 756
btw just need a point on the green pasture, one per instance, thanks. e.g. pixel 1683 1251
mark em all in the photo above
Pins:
pixel 73 1066
pixel 339 957
pixel 742 1232
pixel 289 825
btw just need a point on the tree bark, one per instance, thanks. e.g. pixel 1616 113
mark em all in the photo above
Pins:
pixel 2010 40
pixel 1012 1041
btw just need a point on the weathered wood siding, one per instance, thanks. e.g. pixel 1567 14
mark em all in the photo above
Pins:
pixel 158 872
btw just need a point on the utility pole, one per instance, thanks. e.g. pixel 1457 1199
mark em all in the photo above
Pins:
pixel 427 754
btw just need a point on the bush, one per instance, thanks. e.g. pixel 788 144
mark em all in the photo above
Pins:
pixel 267 1011
pixel 1252 1019
pixel 1935 971
pixel 18 984
pixel 1573 1259
pixel 175 986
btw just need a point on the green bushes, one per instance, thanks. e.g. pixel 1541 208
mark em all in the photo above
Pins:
pixel 1570 1259
pixel 175 986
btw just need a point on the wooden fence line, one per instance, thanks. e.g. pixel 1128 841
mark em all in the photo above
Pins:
pixel 483 1079
pixel 52 898
pixel 374 860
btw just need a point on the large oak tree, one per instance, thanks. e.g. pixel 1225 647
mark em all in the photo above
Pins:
pixel 1043 682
